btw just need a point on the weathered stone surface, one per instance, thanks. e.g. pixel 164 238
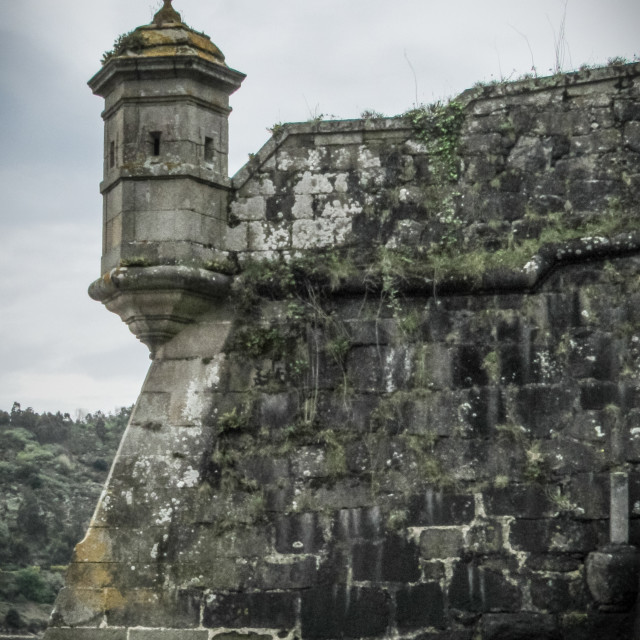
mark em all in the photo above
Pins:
pixel 520 626
pixel 482 589
pixel 435 508
pixel 266 609
pixel 420 606
pixel 393 560
pixel 328 611
pixel 612 576
pixel 403 417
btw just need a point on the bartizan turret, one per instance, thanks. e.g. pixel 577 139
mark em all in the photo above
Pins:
pixel 166 89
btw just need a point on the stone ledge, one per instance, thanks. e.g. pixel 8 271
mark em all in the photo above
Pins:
pixel 157 302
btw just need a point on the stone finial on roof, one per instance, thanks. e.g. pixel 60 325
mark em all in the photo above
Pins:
pixel 167 14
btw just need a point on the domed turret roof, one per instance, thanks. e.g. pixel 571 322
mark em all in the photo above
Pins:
pixel 167 35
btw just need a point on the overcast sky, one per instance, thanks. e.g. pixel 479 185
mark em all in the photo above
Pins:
pixel 59 350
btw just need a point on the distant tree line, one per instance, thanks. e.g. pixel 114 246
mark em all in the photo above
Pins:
pixel 52 469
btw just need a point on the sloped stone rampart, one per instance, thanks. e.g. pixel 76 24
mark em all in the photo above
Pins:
pixel 404 420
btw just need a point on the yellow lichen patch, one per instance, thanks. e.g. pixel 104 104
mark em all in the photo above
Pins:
pixel 95 547
pixel 176 41
pixel 113 599
pixel 89 574
pixel 132 599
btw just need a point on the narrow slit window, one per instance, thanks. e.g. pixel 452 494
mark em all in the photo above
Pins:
pixel 155 142
pixel 208 149
pixel 112 154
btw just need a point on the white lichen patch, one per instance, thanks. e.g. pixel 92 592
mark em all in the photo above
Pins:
pixel 302 206
pixel 284 161
pixel 249 208
pixel 163 516
pixel 341 184
pixel 190 478
pixel 367 159
pixel 320 233
pixel 264 237
pixel 313 159
pixel 313 183
pixel 212 372
pixel 339 209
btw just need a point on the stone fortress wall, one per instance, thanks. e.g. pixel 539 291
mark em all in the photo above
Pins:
pixel 396 394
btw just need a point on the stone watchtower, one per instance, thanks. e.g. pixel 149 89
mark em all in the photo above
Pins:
pixel 166 89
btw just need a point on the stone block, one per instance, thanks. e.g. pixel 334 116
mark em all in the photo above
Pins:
pixel 320 233
pixel 236 238
pixel 530 154
pixel 482 589
pixel 589 492
pixel 106 545
pixel 179 609
pixel 383 368
pixel 598 395
pixel 483 410
pixel 152 407
pixel 433 366
pixel 514 363
pixel 468 369
pixel 334 611
pixel 555 562
pixel 310 462
pixel 594 624
pixel 520 626
pixel 168 634
pixel 485 539
pixel 554 593
pixel 597 141
pixel 249 209
pixel 261 609
pixel 277 410
pixel 268 237
pixel 200 542
pixel 439 508
pixel 612 575
pixel 560 535
pixel 361 523
pixel 544 409
pixel 519 501
pixel 420 606
pixel 169 226
pixel 393 560
pixel 79 607
pixel 225 574
pixel 626 109
pixel 299 533
pixel 285 573
pixel 348 493
pixel 83 633
pixel 441 542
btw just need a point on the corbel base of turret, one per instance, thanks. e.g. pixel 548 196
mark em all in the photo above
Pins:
pixel 156 303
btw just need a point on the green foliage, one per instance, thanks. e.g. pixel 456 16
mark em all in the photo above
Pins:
pixel 259 341
pixel 12 619
pixel 370 114
pixel 32 586
pixel 232 421
pixel 277 129
pixel 50 483
pixel 130 41
pixel 438 126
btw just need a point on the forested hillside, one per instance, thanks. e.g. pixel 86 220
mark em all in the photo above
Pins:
pixel 52 469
